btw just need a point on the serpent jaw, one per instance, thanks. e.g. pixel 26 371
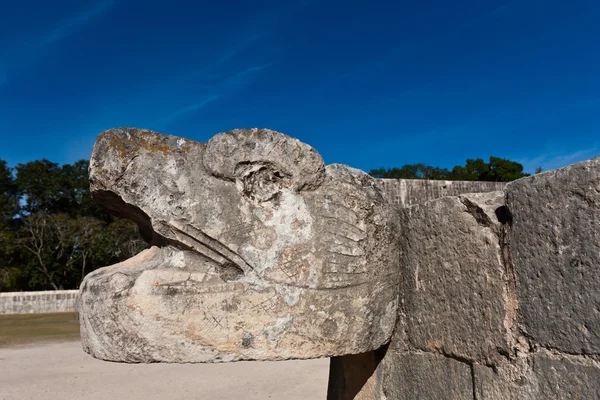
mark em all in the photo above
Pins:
pixel 259 252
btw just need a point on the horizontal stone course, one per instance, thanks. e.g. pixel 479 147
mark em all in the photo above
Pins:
pixel 38 302
pixel 418 375
pixel 407 192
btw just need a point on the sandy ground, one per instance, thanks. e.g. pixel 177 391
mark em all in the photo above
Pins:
pixel 64 371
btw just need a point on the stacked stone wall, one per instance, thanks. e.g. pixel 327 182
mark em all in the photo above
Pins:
pixel 407 192
pixel 38 302
pixel 500 295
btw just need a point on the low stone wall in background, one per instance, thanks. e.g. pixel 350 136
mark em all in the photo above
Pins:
pixel 407 192
pixel 38 302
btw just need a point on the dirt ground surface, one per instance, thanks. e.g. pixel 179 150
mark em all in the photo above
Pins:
pixel 27 329
pixel 64 371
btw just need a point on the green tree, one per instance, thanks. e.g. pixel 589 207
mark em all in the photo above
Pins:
pixel 42 187
pixel 10 273
pixel 498 169
pixel 473 170
pixel 503 170
pixel 51 231
pixel 411 171
pixel 9 208
pixel 39 246
pixel 9 199
pixel 59 249
pixel 76 185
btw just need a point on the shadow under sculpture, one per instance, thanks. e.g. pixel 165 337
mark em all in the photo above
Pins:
pixel 259 252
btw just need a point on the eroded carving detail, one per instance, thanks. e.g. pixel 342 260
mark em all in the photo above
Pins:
pixel 259 251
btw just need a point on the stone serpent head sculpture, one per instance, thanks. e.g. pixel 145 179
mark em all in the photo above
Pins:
pixel 259 252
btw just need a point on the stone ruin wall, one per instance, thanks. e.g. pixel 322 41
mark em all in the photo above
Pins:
pixel 500 294
pixel 50 301
pixel 495 294
pixel 406 192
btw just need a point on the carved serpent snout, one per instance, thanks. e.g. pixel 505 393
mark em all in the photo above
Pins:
pixel 258 251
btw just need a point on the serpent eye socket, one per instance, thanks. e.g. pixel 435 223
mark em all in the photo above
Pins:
pixel 261 182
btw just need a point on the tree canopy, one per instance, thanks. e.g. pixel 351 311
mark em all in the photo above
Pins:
pixel 496 170
pixel 51 231
pixel 9 199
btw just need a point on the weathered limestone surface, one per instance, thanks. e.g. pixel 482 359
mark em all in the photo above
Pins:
pixel 506 381
pixel 412 375
pixel 454 279
pixel 456 312
pixel 555 242
pixel 498 295
pixel 50 301
pixel 543 375
pixel 564 378
pixel 388 373
pixel 408 192
pixel 259 252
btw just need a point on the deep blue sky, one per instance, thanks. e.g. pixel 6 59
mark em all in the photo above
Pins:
pixel 370 84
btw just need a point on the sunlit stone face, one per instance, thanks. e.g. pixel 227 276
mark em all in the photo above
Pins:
pixel 259 252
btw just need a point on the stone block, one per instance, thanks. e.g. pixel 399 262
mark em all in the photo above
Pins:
pixel 416 375
pixel 453 285
pixel 567 378
pixel 555 245
pixel 506 381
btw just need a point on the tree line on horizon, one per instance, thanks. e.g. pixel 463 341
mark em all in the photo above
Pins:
pixel 52 233
pixel 496 170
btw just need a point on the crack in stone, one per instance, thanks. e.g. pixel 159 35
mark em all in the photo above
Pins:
pixel 518 342
pixel 477 212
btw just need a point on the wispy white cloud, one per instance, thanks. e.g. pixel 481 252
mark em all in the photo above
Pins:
pixel 214 79
pixel 407 48
pixel 221 88
pixel 209 70
pixel 71 25
pixel 554 160
pixel 30 50
pixel 240 76
pixel 258 27
pixel 183 111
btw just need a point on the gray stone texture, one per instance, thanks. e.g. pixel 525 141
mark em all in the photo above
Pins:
pixel 260 252
pixel 453 284
pixel 506 381
pixel 418 375
pixel 408 192
pixel 555 244
pixel 543 375
pixel 564 378
pixel 50 301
